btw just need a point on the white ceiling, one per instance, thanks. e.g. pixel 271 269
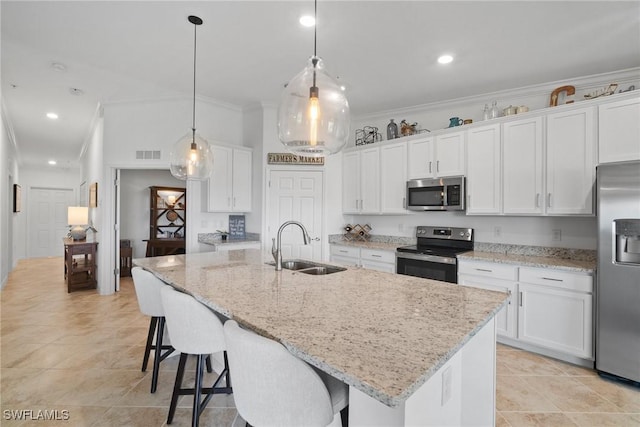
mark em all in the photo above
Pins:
pixel 385 51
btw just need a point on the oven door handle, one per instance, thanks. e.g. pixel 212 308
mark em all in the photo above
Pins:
pixel 422 257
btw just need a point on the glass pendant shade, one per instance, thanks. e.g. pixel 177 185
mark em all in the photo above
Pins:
pixel 191 158
pixel 313 119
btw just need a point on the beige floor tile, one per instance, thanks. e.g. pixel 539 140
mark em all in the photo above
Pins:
pixel 625 397
pixel 542 419
pixel 501 421
pixel 210 417
pixel 570 395
pixel 525 363
pixel 133 417
pixel 514 394
pixel 101 387
pixel 605 420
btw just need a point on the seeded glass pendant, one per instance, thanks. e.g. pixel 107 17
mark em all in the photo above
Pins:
pixel 191 157
pixel 313 115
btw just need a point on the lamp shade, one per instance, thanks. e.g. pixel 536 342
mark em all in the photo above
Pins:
pixel 78 215
pixel 313 115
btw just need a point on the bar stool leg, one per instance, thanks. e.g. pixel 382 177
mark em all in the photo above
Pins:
pixel 209 367
pixel 147 349
pixel 176 387
pixel 197 391
pixel 157 355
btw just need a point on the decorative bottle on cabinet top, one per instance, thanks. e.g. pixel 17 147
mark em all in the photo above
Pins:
pixel 486 114
pixel 494 110
pixel 392 130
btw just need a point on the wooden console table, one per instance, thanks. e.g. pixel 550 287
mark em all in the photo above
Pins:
pixel 80 269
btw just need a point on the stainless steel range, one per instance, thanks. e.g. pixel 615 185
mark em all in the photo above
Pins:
pixel 434 255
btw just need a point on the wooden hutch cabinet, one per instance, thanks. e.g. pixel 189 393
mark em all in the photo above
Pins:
pixel 167 221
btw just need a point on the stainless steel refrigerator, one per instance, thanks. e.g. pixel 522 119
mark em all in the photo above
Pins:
pixel 618 274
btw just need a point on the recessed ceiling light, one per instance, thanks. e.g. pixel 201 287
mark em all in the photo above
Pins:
pixel 445 59
pixel 52 116
pixel 52 162
pixel 307 21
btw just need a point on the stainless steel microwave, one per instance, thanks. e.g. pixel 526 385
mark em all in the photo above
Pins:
pixel 439 194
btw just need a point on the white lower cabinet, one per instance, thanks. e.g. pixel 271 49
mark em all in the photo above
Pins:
pixel 371 259
pixel 548 309
pixel 495 277
pixel 556 311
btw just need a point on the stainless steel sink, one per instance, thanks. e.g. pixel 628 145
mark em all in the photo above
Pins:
pixel 322 270
pixel 309 267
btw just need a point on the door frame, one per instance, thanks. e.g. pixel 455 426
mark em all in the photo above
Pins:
pixel 266 244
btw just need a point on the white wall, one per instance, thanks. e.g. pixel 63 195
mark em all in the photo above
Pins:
pixel 8 220
pixel 134 204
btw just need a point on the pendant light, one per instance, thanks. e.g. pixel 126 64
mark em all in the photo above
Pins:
pixel 191 157
pixel 313 115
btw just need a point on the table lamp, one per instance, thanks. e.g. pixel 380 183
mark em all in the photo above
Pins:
pixel 78 218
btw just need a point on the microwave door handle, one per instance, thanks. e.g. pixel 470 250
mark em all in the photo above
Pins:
pixel 445 201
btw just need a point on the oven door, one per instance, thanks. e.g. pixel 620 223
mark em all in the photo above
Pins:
pixel 433 267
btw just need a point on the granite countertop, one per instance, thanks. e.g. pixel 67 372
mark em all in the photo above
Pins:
pixel 369 244
pixel 382 333
pixel 574 260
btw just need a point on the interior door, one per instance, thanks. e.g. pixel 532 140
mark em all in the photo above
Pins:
pixel 297 196
pixel 48 220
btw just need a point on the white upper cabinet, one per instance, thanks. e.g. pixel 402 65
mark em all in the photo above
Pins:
pixel 449 154
pixel 229 186
pixel 420 158
pixel 393 178
pixel 619 131
pixel 570 162
pixel 483 170
pixel 361 177
pixel 436 157
pixel 522 161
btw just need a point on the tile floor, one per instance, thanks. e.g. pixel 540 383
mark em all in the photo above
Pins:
pixel 81 353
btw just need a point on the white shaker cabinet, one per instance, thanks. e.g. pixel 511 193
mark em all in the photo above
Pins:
pixel 619 131
pixel 349 256
pixel 393 178
pixel 435 157
pixel 570 174
pixel 556 311
pixel 361 177
pixel 494 277
pixel 371 259
pixel 483 170
pixel 522 171
pixel 229 186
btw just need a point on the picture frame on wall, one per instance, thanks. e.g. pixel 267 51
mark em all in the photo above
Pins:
pixel 17 198
pixel 93 195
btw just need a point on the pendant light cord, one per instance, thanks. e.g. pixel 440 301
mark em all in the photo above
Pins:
pixel 315 42
pixel 195 41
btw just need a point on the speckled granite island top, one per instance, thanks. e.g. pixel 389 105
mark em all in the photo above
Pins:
pixel 381 333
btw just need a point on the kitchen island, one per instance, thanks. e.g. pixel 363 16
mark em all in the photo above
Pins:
pixel 413 351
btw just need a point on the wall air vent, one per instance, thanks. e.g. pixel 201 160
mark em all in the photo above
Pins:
pixel 148 155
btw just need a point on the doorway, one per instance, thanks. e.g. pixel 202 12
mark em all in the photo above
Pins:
pixel 298 196
pixel 48 220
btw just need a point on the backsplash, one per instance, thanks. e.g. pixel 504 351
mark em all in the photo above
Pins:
pixel 400 240
pixel 564 253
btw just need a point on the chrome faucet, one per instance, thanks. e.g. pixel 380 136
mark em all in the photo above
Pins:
pixel 276 248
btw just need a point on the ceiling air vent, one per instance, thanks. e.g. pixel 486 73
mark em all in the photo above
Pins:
pixel 148 155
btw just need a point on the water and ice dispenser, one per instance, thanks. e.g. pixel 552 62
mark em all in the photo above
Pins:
pixel 627 240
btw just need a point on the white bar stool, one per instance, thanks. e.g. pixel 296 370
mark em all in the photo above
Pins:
pixel 273 387
pixel 197 330
pixel 148 294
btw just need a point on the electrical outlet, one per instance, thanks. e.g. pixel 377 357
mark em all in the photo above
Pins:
pixel 497 231
pixel 556 234
pixel 447 380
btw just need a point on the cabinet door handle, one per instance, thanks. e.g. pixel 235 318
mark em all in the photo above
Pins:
pixel 437 165
pixel 404 202
pixel 537 200
pixel 484 269
pixel 234 203
pixel 549 200
pixel 376 256
pixel 521 299
pixel 229 201
pixel 430 167
pixel 343 252
pixel 552 279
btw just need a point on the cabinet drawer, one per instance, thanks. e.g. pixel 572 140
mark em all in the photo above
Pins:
pixel 557 279
pixel 378 255
pixel 349 251
pixel 488 269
